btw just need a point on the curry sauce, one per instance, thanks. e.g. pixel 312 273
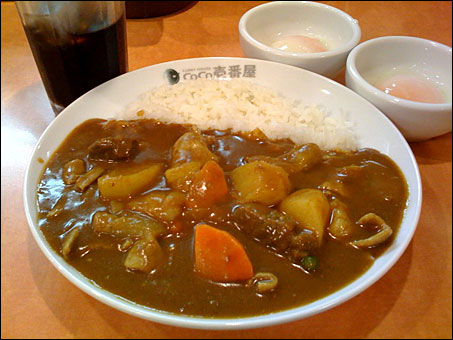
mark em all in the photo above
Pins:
pixel 83 209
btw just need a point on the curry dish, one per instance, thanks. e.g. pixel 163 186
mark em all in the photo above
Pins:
pixel 213 223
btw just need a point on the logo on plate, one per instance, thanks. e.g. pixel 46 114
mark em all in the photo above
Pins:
pixel 216 72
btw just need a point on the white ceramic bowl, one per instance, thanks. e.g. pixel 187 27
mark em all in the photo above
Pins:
pixel 264 24
pixel 373 60
pixel 111 98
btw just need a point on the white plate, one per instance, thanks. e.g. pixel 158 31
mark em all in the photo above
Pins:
pixel 373 130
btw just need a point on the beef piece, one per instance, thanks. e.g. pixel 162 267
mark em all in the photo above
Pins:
pixel 113 149
pixel 275 230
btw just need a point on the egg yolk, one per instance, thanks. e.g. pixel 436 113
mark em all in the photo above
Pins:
pixel 411 88
pixel 299 43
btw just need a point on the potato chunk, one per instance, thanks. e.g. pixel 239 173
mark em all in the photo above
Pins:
pixel 181 177
pixel 124 183
pixel 162 205
pixel 260 182
pixel 310 208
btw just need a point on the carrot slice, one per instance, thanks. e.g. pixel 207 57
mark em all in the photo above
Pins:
pixel 209 187
pixel 219 256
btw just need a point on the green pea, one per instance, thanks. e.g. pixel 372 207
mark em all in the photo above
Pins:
pixel 310 263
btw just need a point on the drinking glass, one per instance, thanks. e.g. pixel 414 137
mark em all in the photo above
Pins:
pixel 77 45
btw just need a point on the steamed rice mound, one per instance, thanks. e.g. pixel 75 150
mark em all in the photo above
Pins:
pixel 240 105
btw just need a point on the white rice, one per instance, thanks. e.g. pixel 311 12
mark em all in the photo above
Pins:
pixel 240 105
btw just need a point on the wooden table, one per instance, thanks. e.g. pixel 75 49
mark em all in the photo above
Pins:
pixel 413 300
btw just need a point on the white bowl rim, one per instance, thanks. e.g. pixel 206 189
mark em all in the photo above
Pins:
pixel 354 24
pixel 196 322
pixel 354 72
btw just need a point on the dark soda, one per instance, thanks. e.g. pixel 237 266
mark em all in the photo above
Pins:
pixel 74 63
